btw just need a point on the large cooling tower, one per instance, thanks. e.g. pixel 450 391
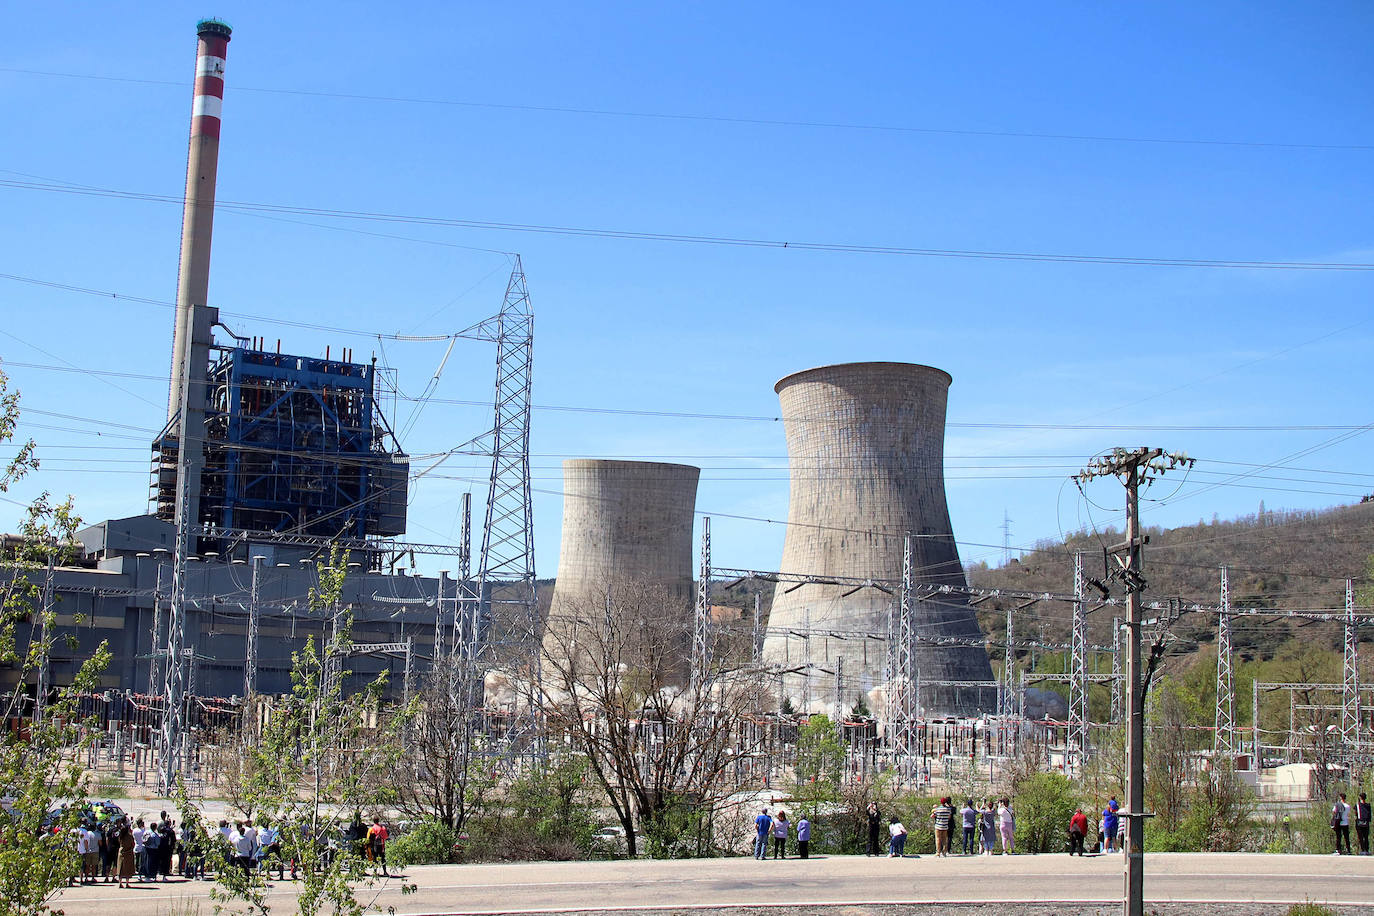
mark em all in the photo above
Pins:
pixel 865 445
pixel 626 525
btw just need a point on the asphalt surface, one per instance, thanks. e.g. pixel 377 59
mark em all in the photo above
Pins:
pixel 819 884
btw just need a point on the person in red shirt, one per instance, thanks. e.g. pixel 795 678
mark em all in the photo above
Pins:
pixel 1078 829
pixel 376 842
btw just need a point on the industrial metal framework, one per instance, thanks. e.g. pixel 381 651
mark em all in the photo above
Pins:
pixel 1224 735
pixel 701 635
pixel 905 708
pixel 1350 680
pixel 506 574
pixel 1117 679
pixel 1078 687
pixel 293 444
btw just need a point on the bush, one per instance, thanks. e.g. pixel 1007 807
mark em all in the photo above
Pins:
pixel 1308 908
pixel 1044 804
pixel 427 843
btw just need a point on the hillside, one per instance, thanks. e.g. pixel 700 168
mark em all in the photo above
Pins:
pixel 1277 559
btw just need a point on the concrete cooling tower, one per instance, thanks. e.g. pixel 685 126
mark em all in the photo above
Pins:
pixel 626 525
pixel 865 445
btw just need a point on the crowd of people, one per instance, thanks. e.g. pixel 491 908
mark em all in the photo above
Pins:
pixel 128 850
pixel 981 828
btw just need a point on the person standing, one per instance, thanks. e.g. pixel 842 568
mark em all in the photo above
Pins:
pixel 1110 821
pixel 269 848
pixel 762 825
pixel 140 866
pixel 166 848
pixel 242 845
pixel 192 850
pixel 88 846
pixel 968 816
pixel 875 823
pixel 1362 813
pixel 1007 819
pixel 152 857
pixel 376 843
pixel 897 839
pixel 987 823
pixel 780 828
pixel 943 817
pixel 127 856
pixel 1078 829
pixel 250 833
pixel 109 850
pixel 803 837
pixel 1340 824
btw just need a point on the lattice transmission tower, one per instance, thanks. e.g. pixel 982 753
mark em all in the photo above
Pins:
pixel 905 707
pixel 1224 735
pixel 1350 680
pixel 1078 683
pixel 507 631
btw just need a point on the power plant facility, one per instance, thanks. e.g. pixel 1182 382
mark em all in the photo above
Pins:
pixel 865 451
pixel 265 629
pixel 271 462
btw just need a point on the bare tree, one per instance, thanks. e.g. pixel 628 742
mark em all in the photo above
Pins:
pixel 444 783
pixel 662 743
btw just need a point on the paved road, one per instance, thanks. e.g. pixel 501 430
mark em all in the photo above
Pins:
pixel 839 880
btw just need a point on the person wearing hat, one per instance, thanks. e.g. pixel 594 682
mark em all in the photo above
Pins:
pixel 1111 821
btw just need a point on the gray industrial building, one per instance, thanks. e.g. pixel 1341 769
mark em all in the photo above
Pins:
pixel 865 446
pixel 127 570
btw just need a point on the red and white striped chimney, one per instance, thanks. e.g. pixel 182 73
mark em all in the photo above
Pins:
pixel 194 319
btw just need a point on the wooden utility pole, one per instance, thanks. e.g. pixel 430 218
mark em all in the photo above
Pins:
pixel 1134 468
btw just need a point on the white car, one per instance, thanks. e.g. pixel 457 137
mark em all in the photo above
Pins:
pixel 610 840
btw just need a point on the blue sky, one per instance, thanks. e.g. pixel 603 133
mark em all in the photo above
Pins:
pixel 705 329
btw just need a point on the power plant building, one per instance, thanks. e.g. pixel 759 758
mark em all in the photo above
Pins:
pixel 865 445
pixel 268 456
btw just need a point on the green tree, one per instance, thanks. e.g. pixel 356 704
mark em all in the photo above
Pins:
pixel 321 754
pixel 1044 804
pixel 820 761
pixel 40 762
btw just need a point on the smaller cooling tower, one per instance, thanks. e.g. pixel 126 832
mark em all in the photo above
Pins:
pixel 626 525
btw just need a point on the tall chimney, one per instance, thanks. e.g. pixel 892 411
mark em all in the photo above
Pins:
pixel 194 318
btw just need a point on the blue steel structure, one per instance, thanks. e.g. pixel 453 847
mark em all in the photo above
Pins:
pixel 293 444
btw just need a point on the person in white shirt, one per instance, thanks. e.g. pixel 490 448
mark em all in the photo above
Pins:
pixel 87 845
pixel 140 854
pixel 1007 821
pixel 1340 824
pixel 243 849
pixel 269 847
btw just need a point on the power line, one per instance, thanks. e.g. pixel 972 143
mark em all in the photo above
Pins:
pixel 718 240
pixel 678 414
pixel 720 119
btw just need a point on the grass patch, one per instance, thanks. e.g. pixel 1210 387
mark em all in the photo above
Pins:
pixel 1308 908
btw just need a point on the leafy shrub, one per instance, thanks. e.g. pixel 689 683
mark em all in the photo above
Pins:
pixel 1308 908
pixel 427 843
pixel 1044 804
